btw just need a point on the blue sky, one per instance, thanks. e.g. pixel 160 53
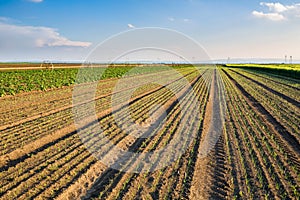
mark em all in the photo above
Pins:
pixel 69 30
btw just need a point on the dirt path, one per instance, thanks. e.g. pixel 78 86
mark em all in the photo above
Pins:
pixel 205 175
pixel 201 179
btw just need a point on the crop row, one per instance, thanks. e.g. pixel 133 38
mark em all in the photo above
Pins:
pixel 283 111
pixel 142 146
pixel 272 134
pixel 288 88
pixel 22 106
pixel 18 136
pixel 162 138
pixel 55 170
pixel 292 71
pixel 263 152
pixel 12 82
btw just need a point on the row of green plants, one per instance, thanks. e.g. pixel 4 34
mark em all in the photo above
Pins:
pixel 245 151
pixel 283 80
pixel 188 160
pixel 279 85
pixel 274 104
pixel 36 163
pixel 55 169
pixel 240 149
pixel 13 82
pixel 60 179
pixel 113 129
pixel 17 81
pixel 19 136
pixel 15 137
pixel 252 137
pixel 270 150
pixel 229 146
pixel 265 143
pixel 292 71
pixel 42 168
pixel 152 144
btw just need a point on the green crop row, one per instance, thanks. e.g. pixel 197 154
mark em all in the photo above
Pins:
pixel 17 81
pixel 263 148
pixel 292 71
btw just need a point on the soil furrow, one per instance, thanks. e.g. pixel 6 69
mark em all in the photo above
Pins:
pixel 287 98
pixel 276 126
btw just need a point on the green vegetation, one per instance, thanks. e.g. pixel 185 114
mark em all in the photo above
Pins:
pixel 260 148
pixel 12 82
pixel 255 157
pixel 277 66
pixel 289 70
pixel 16 81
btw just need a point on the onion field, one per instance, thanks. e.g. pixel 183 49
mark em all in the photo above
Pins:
pixel 43 154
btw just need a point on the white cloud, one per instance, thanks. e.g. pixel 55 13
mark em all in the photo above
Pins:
pixel 179 20
pixel 33 36
pixel 35 1
pixel 270 16
pixel 171 19
pixel 275 7
pixel 278 11
pixel 130 26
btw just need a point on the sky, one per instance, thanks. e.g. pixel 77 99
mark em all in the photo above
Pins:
pixel 61 30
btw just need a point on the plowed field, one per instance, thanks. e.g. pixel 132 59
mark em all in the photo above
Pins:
pixel 43 155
